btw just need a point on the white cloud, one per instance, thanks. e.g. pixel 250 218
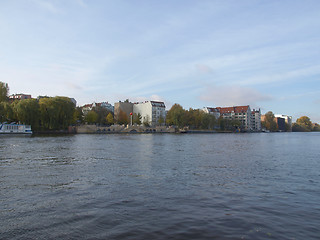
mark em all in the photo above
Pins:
pixel 232 96
pixel 283 76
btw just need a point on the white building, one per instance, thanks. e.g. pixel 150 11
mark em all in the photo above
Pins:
pixel 239 113
pixel 212 111
pixel 256 120
pixel 152 112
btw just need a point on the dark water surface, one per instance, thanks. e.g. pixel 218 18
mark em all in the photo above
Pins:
pixel 201 186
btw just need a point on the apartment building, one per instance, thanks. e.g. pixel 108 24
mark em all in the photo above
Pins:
pixel 250 120
pixel 256 120
pixel 152 112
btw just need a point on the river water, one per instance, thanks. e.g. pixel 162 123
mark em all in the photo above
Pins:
pixel 153 186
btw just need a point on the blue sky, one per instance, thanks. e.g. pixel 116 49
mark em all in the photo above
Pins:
pixel 265 54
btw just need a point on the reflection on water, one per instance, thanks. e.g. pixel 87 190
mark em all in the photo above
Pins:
pixel 206 186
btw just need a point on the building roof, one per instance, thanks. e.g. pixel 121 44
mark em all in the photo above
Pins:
pixel 235 109
pixel 158 104
pixel 210 109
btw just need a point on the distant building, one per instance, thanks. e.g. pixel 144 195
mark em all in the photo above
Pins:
pixel 105 105
pixel 19 96
pixel 240 113
pixel 256 120
pixel 287 119
pixel 126 107
pixel 73 101
pixel 88 107
pixel 250 120
pixel 212 111
pixel 152 112
pixel 281 123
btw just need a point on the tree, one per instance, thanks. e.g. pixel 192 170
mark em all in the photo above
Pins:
pixel 269 123
pixel 4 91
pixel 56 112
pixel 102 114
pixel 27 111
pixel 6 113
pixel 305 122
pixel 175 116
pixel 122 118
pixel 137 118
pixel 316 127
pixel 109 119
pixel 78 115
pixel 91 117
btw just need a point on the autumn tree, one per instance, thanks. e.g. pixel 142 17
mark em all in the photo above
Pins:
pixel 175 116
pixel 109 119
pixel 305 122
pixel 269 123
pixel 122 118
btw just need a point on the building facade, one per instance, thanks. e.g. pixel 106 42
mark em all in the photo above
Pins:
pixel 250 120
pixel 287 119
pixel 19 96
pixel 256 120
pixel 212 111
pixel 152 112
pixel 239 113
pixel 126 107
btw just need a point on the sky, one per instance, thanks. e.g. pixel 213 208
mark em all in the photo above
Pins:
pixel 197 53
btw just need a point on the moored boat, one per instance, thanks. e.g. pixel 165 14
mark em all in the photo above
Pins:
pixel 14 128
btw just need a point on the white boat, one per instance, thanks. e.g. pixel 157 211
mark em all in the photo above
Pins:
pixel 14 128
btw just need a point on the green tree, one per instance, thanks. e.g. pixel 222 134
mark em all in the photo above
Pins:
pixel 4 91
pixel 269 123
pixel 27 111
pixel 78 115
pixel 175 116
pixel 102 114
pixel 56 112
pixel 6 113
pixel 109 119
pixel 137 118
pixel 91 117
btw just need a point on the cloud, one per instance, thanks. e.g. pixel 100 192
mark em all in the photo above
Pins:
pixel 284 76
pixel 232 96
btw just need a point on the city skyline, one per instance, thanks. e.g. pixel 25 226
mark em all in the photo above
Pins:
pixel 195 53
